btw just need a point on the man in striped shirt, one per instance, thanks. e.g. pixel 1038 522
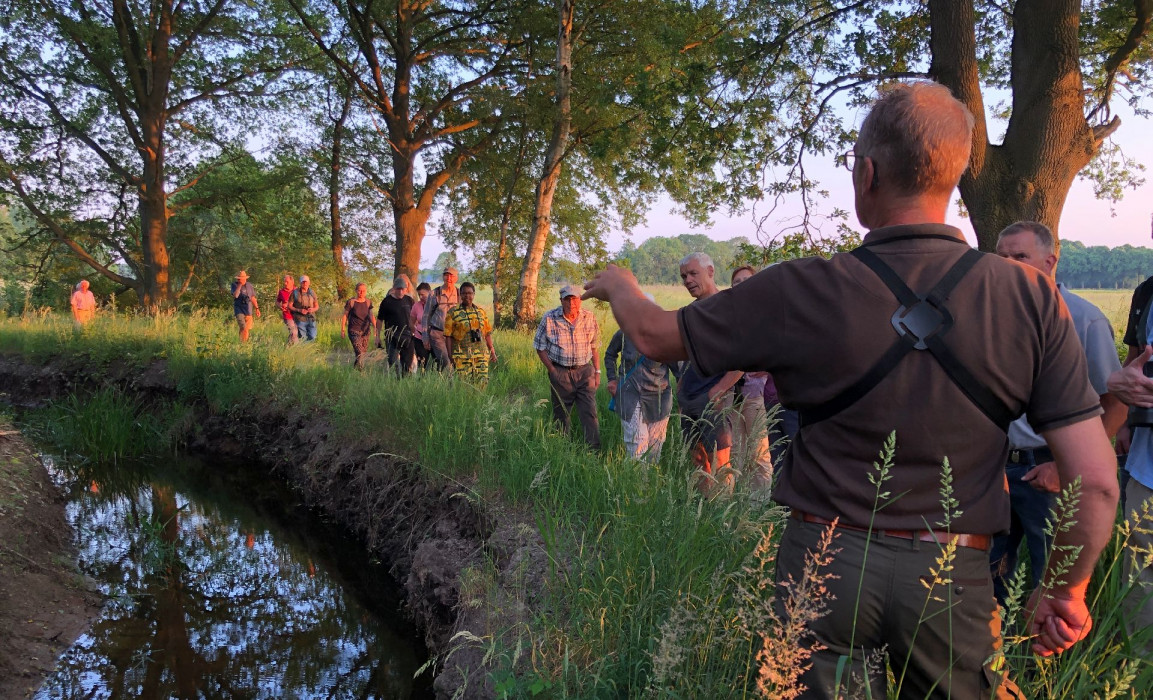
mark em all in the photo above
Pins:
pixel 567 340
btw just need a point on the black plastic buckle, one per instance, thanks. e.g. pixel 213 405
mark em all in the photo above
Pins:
pixel 922 321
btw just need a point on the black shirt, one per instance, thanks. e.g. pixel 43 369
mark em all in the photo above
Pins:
pixel 1133 331
pixel 394 314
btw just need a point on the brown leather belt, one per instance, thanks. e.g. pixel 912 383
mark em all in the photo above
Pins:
pixel 980 542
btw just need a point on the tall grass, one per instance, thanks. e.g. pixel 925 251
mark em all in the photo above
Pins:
pixel 651 590
pixel 109 425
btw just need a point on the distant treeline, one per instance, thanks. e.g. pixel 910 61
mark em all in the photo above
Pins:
pixel 657 260
pixel 1101 267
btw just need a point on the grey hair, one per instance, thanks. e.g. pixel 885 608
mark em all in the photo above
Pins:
pixel 1044 236
pixel 702 258
pixel 920 137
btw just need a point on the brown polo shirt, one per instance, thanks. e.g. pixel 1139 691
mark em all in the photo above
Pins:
pixel 818 325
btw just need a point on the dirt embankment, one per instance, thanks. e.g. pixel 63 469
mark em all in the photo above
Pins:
pixel 44 602
pixel 430 531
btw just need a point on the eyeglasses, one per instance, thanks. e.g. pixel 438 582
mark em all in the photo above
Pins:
pixel 847 159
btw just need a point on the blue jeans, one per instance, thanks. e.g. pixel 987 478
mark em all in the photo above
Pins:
pixel 1029 510
pixel 307 328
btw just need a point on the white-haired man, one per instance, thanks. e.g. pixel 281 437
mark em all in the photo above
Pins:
pixel 906 335
pixel 704 400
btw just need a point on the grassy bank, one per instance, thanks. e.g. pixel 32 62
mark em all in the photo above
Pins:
pixel 653 591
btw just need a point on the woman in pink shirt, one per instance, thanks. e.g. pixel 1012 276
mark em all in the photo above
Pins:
pixel 416 323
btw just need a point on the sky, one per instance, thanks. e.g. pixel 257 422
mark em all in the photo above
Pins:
pixel 1084 218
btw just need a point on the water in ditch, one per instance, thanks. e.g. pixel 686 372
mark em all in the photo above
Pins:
pixel 221 584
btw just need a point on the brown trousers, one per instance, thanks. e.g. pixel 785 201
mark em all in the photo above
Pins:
pixel 574 387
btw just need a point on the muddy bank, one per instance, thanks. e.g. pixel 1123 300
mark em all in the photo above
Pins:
pixel 45 603
pixel 429 531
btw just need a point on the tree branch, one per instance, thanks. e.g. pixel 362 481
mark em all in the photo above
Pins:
pixel 1143 11
pixel 61 235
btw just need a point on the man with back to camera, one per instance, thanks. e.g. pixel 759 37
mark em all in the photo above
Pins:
pixel 1031 473
pixel 907 334
pixel 439 302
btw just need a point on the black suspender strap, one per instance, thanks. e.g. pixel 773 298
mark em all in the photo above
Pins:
pixel 920 323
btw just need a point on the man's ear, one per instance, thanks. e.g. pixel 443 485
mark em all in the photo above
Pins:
pixel 868 173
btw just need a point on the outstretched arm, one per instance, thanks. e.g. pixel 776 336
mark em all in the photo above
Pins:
pixel 652 329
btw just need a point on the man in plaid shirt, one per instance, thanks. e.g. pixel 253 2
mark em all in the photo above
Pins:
pixel 566 341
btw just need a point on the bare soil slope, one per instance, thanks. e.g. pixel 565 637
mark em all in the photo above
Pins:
pixel 44 605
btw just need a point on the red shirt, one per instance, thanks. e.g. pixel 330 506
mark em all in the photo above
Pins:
pixel 282 298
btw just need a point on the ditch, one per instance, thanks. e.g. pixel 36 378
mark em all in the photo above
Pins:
pixel 219 582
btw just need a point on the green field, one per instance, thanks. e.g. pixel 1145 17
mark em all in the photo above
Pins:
pixel 656 593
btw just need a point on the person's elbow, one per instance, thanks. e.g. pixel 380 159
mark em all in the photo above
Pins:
pixel 1101 481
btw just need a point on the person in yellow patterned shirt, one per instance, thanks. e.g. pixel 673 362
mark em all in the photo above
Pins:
pixel 468 333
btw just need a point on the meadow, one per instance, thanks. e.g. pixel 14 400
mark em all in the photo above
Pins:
pixel 655 591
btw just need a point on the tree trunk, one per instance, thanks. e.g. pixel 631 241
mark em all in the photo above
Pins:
pixel 410 229
pixel 337 236
pixel 153 207
pixel 525 307
pixel 153 290
pixel 1048 140
pixel 505 222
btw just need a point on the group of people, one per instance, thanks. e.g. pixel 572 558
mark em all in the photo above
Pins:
pixel 442 325
pixel 942 395
pixel 717 412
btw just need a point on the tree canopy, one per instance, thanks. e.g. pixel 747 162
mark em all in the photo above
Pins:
pixel 134 136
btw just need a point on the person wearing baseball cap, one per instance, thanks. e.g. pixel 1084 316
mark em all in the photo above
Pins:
pixel 439 302
pixel 392 315
pixel 304 306
pixel 244 304
pixel 567 341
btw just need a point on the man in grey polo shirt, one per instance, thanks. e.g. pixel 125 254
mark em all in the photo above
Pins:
pixel 439 302
pixel 1031 471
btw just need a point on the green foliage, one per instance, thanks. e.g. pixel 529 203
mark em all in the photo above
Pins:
pixel 104 110
pixel 258 216
pixel 109 425
pixel 657 260
pixel 1101 267
pixel 796 245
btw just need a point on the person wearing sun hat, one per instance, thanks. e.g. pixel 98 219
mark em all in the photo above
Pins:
pixel 244 304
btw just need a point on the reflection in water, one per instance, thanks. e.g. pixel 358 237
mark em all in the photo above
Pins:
pixel 211 597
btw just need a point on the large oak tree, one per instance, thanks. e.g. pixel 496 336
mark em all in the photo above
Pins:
pixel 426 69
pixel 107 107
pixel 1047 71
pixel 1057 124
